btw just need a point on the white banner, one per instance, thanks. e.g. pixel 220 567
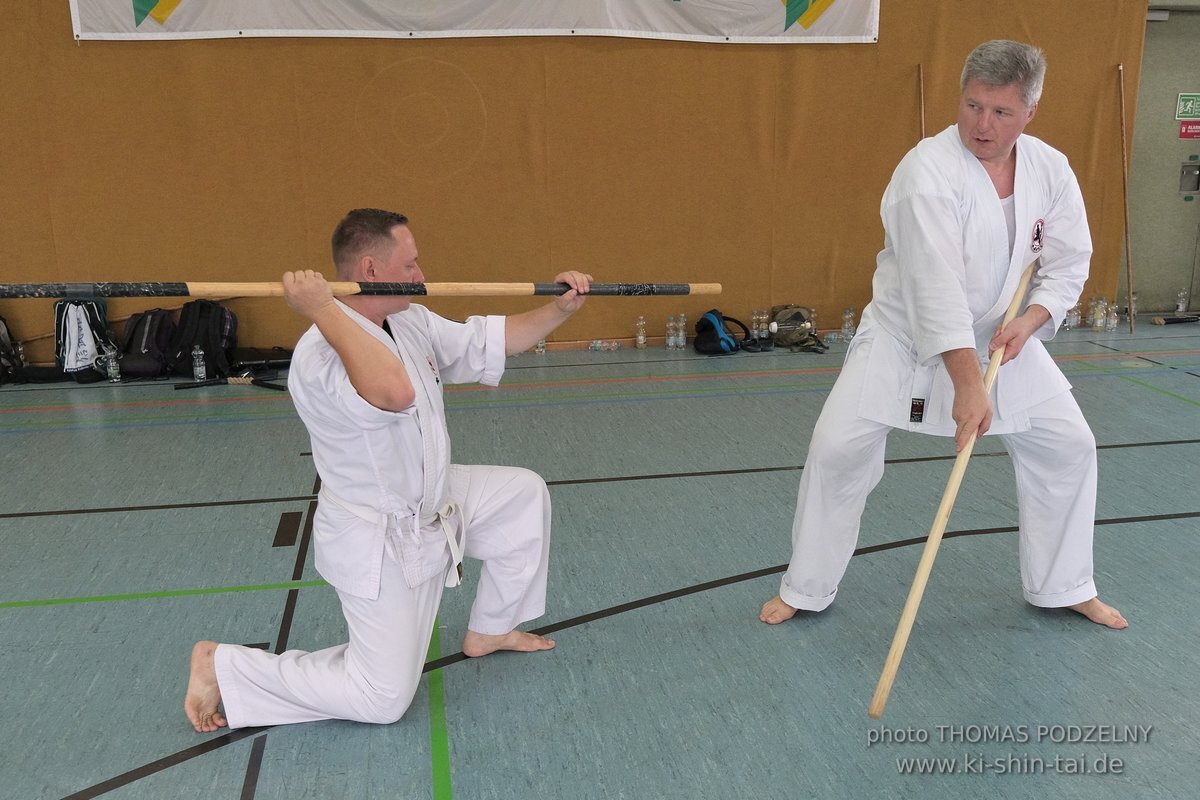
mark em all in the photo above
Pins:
pixel 761 21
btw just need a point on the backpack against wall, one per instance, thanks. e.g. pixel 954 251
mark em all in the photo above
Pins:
pixel 10 361
pixel 209 325
pixel 794 329
pixel 145 344
pixel 713 336
pixel 81 336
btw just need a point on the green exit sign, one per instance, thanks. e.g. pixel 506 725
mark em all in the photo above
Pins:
pixel 1188 106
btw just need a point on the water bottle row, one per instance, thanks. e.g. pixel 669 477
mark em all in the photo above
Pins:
pixel 111 359
pixel 1099 314
pixel 676 331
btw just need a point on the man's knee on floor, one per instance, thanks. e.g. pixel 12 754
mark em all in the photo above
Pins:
pixel 384 707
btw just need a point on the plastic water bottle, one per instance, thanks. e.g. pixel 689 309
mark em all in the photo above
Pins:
pixel 1101 314
pixel 639 340
pixel 669 342
pixel 1073 318
pixel 1181 301
pixel 20 349
pixel 1112 319
pixel 848 325
pixel 199 372
pixel 681 335
pixel 540 347
pixel 112 364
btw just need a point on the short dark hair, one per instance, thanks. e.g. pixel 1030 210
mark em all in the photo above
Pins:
pixel 361 230
pixel 1001 62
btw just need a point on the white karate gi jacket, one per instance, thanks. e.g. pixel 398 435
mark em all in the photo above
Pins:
pixel 374 459
pixel 945 278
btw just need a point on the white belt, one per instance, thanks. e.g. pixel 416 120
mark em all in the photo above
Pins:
pixel 447 517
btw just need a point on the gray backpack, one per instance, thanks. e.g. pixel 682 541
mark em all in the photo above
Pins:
pixel 794 329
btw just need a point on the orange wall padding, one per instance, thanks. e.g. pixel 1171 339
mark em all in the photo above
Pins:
pixel 757 166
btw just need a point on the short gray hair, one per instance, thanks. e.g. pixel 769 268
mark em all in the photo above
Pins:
pixel 1001 62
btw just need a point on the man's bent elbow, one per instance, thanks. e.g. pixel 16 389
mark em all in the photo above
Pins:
pixel 391 398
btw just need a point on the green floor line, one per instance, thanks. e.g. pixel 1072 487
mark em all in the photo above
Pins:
pixel 439 739
pixel 1154 388
pixel 108 598
pixel 1143 384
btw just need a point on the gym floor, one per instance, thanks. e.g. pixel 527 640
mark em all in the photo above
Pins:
pixel 139 519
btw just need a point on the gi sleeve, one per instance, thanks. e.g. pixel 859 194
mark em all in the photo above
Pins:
pixel 323 394
pixel 471 351
pixel 1066 253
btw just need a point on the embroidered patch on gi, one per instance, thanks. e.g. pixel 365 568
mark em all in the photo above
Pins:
pixel 1039 231
pixel 436 378
pixel 916 412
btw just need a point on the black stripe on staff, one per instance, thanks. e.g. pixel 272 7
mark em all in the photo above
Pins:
pixel 342 289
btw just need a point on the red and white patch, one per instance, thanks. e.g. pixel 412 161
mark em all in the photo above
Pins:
pixel 1039 232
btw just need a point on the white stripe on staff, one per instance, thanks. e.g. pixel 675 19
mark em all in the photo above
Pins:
pixel 909 615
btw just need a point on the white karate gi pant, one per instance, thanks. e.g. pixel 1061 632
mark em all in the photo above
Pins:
pixel 1055 466
pixel 373 678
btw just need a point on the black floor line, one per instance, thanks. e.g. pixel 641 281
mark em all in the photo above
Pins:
pixel 289 608
pixel 250 785
pixel 231 737
pixel 304 498
pixel 566 482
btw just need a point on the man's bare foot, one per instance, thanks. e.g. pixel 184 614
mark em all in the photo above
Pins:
pixel 203 694
pixel 480 644
pixel 775 611
pixel 1101 613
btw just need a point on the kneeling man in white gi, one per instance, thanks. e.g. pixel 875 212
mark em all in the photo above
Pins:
pixel 965 212
pixel 394 517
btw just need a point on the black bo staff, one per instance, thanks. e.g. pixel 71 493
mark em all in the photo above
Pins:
pixel 1175 320
pixel 342 289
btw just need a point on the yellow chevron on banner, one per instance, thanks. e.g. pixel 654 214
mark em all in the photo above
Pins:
pixel 815 10
pixel 164 9
pixel 806 12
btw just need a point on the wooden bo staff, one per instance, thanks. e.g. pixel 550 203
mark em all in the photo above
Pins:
pixel 81 291
pixel 1125 202
pixel 909 615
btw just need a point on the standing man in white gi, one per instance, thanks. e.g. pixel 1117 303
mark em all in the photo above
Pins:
pixel 394 517
pixel 965 212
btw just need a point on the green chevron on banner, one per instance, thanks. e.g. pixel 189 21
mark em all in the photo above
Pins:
pixel 142 9
pixel 795 10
